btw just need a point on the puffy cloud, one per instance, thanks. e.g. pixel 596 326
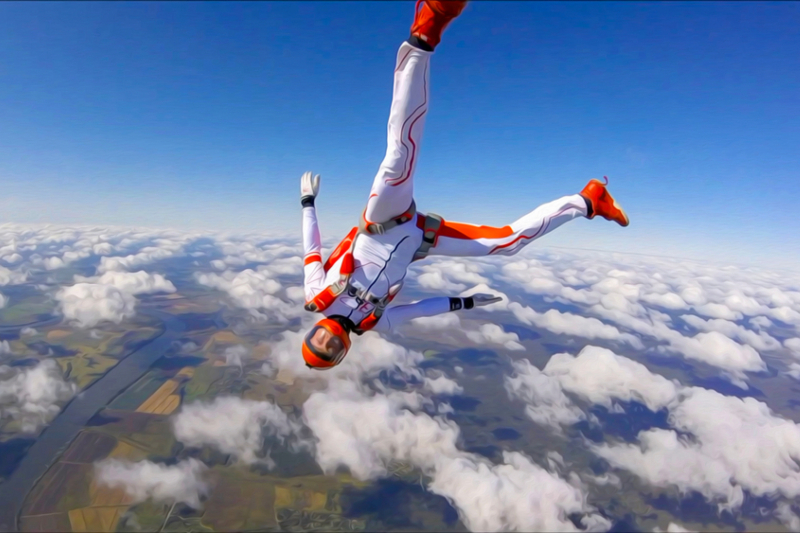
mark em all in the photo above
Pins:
pixel 787 517
pixel 364 433
pixel 571 324
pixel 438 323
pixel 673 528
pixel 451 275
pixel 793 344
pixel 143 480
pixel 448 327
pixel 254 290
pixel 596 375
pixel 600 376
pixel 165 247
pixel 3 301
pixel 32 396
pixel 108 297
pixel 717 350
pixel 91 303
pixel 547 404
pixel 733 444
pixel 135 282
pixel 11 277
pixel 28 331
pixel 233 426
pixel 443 385
pixel 737 444
pixel 794 371
pixel 760 341
pixel 494 334
pixel 235 354
pixel 517 495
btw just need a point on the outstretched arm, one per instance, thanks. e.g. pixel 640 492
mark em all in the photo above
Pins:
pixel 313 272
pixel 394 316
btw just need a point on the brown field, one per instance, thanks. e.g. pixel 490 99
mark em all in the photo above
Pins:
pixel 68 499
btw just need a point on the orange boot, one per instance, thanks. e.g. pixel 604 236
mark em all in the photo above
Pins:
pixel 602 203
pixel 433 18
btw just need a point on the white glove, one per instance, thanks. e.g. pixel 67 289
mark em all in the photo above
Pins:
pixel 309 187
pixel 484 299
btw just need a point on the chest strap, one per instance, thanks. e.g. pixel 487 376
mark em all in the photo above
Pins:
pixel 369 321
pixel 379 229
pixel 324 299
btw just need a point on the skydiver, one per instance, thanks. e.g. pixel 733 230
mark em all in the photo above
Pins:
pixel 366 270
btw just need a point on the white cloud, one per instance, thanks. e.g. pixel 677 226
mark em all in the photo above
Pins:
pixel 437 323
pixel 547 404
pixel 165 247
pixel 108 297
pixel 28 331
pixel 787 517
pixel 600 376
pixel 91 303
pixel 364 433
pixel 673 528
pixel 235 354
pixel 517 495
pixel 794 371
pixel 760 341
pixel 717 350
pixel 3 301
pixel 135 282
pixel 33 396
pixel 255 290
pixel 143 480
pixel 793 345
pixel 571 324
pixel 11 277
pixel 443 385
pixel 494 334
pixel 233 426
pixel 738 444
pixel 450 275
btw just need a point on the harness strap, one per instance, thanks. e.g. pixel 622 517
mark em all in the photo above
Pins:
pixel 381 228
pixel 431 226
pixel 369 322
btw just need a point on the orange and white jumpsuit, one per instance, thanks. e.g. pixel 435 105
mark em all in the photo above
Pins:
pixel 381 261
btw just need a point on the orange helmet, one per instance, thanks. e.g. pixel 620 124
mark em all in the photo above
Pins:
pixel 326 344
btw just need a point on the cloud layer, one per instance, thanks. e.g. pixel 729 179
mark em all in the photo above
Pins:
pixel 33 396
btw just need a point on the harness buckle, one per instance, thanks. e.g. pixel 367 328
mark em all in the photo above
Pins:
pixel 375 229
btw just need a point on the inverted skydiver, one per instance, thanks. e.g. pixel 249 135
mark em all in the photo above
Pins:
pixel 366 270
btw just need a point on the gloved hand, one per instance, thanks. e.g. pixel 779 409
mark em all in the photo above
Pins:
pixel 484 299
pixel 309 187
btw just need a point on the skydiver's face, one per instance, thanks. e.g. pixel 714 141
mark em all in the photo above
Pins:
pixel 325 341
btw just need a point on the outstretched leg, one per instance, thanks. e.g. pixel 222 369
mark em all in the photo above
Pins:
pixel 467 240
pixel 393 188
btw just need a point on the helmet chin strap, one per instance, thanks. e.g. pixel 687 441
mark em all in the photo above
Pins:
pixel 345 322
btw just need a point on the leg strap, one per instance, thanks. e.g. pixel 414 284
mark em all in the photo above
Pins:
pixel 430 231
pixel 381 228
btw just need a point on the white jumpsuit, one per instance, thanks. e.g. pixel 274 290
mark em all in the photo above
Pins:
pixel 382 260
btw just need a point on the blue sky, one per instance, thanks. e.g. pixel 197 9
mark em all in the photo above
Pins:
pixel 204 115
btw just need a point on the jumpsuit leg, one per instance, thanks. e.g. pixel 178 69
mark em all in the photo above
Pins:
pixel 393 187
pixel 466 240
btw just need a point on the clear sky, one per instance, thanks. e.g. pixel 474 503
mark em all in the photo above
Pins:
pixel 204 115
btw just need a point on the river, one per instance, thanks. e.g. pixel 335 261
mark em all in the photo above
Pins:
pixel 57 436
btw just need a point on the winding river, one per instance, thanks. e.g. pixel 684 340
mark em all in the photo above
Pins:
pixel 57 436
